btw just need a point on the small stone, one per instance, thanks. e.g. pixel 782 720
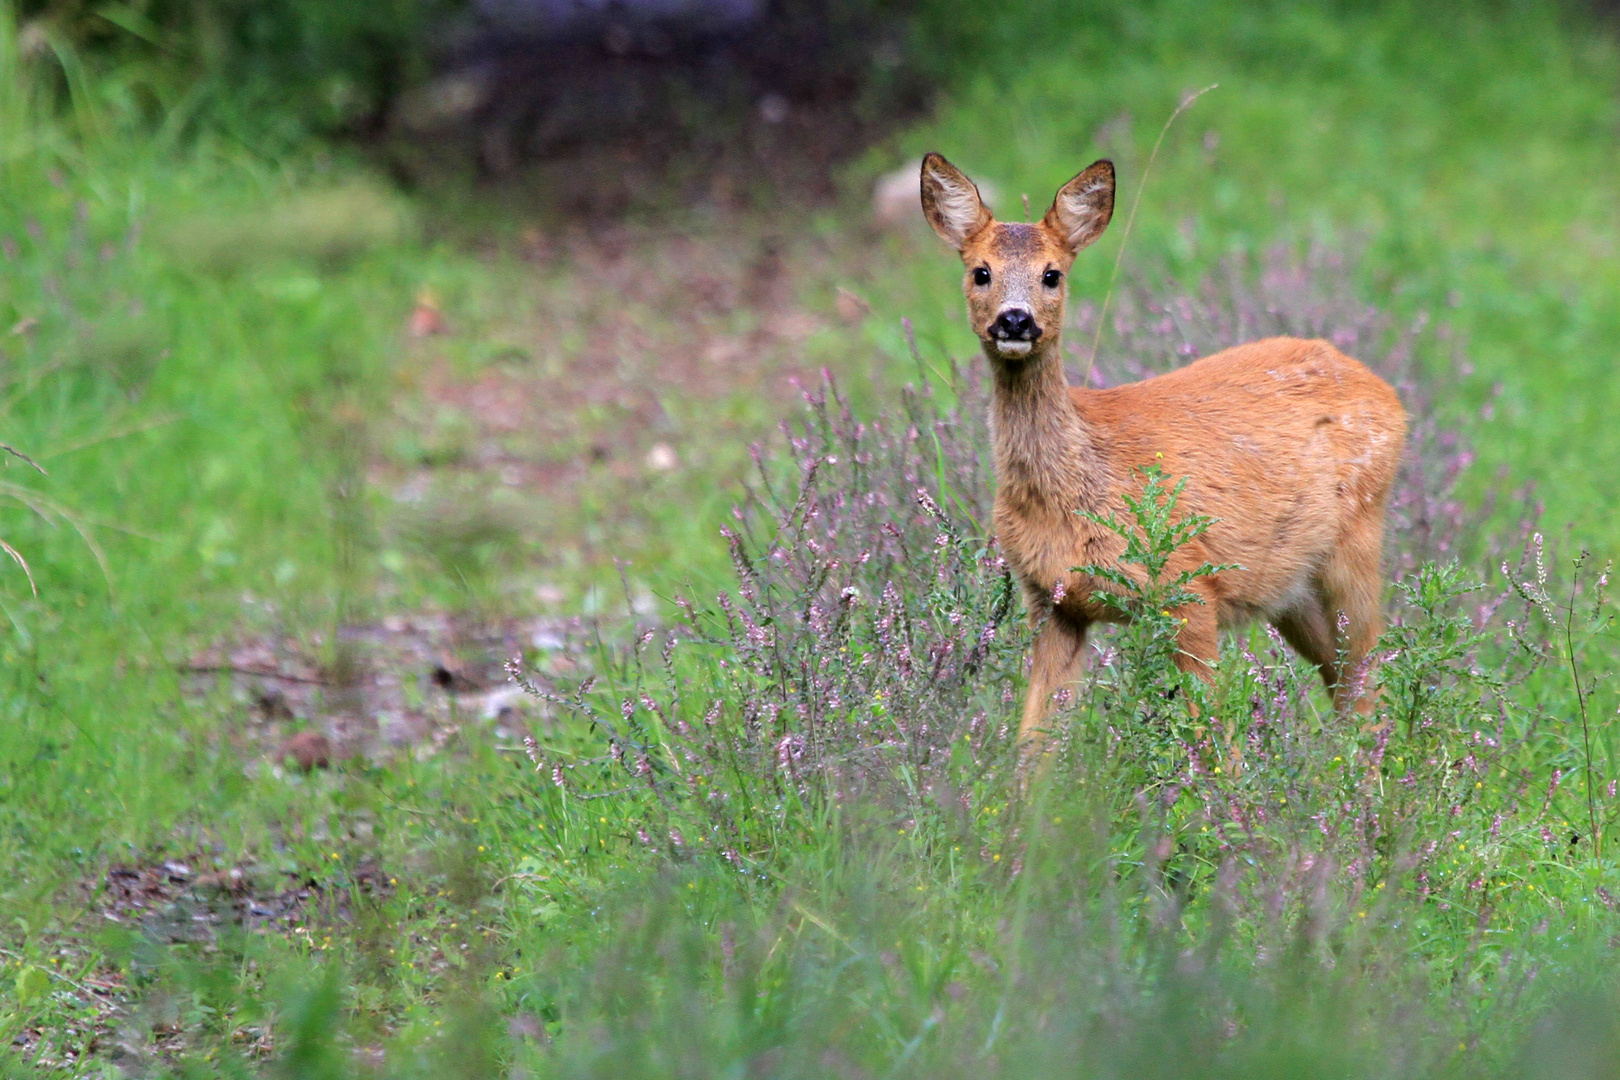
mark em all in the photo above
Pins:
pixel 662 458
pixel 897 196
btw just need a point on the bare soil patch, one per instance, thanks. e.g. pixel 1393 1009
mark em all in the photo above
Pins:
pixel 405 684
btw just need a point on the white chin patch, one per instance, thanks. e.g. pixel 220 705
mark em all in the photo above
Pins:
pixel 1014 350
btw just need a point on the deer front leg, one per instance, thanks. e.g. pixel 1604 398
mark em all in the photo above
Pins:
pixel 1198 643
pixel 1054 665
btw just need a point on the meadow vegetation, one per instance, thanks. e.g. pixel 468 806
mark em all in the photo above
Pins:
pixel 754 813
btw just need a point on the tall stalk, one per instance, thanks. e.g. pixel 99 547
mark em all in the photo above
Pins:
pixel 1580 701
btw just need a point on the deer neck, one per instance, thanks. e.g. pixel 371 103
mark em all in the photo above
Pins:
pixel 1046 454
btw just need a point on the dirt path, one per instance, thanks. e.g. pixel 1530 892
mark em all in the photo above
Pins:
pixel 579 419
pixel 627 370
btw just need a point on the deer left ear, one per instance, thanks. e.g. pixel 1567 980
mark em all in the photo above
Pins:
pixel 951 202
pixel 1083 206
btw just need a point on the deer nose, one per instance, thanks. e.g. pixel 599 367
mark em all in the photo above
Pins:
pixel 1015 324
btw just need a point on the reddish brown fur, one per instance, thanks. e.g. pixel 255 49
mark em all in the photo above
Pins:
pixel 1289 444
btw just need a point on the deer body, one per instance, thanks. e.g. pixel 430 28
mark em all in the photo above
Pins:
pixel 1289 444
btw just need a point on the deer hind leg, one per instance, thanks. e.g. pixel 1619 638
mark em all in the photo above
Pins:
pixel 1352 586
pixel 1054 665
pixel 1310 630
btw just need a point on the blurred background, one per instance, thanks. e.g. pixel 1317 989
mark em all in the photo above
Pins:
pixel 355 348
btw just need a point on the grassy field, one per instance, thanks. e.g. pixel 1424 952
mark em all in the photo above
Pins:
pixel 318 455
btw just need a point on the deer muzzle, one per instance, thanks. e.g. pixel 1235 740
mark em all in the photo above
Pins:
pixel 1014 332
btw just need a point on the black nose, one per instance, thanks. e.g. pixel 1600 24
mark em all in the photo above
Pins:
pixel 1015 324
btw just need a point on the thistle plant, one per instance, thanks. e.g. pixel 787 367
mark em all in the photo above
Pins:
pixel 1147 682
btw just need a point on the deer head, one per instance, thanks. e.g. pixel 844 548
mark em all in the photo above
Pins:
pixel 1016 273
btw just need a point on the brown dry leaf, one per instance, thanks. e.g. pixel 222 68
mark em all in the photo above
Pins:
pixel 425 318
pixel 309 750
pixel 851 308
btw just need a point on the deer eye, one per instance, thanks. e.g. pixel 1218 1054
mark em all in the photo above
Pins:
pixel 1052 278
pixel 981 275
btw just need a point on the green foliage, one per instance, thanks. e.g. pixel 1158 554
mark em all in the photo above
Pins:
pixel 310 1028
pixel 1150 601
pixel 1430 670
pixel 246 64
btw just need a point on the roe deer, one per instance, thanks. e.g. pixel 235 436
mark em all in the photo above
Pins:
pixel 1289 445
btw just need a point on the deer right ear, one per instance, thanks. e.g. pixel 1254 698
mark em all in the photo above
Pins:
pixel 951 202
pixel 1083 206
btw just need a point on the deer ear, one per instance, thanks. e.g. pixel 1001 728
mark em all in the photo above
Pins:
pixel 951 202
pixel 1083 206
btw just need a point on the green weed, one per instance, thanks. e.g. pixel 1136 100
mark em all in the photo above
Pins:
pixel 1149 601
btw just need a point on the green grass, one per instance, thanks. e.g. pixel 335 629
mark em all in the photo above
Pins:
pixel 202 346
